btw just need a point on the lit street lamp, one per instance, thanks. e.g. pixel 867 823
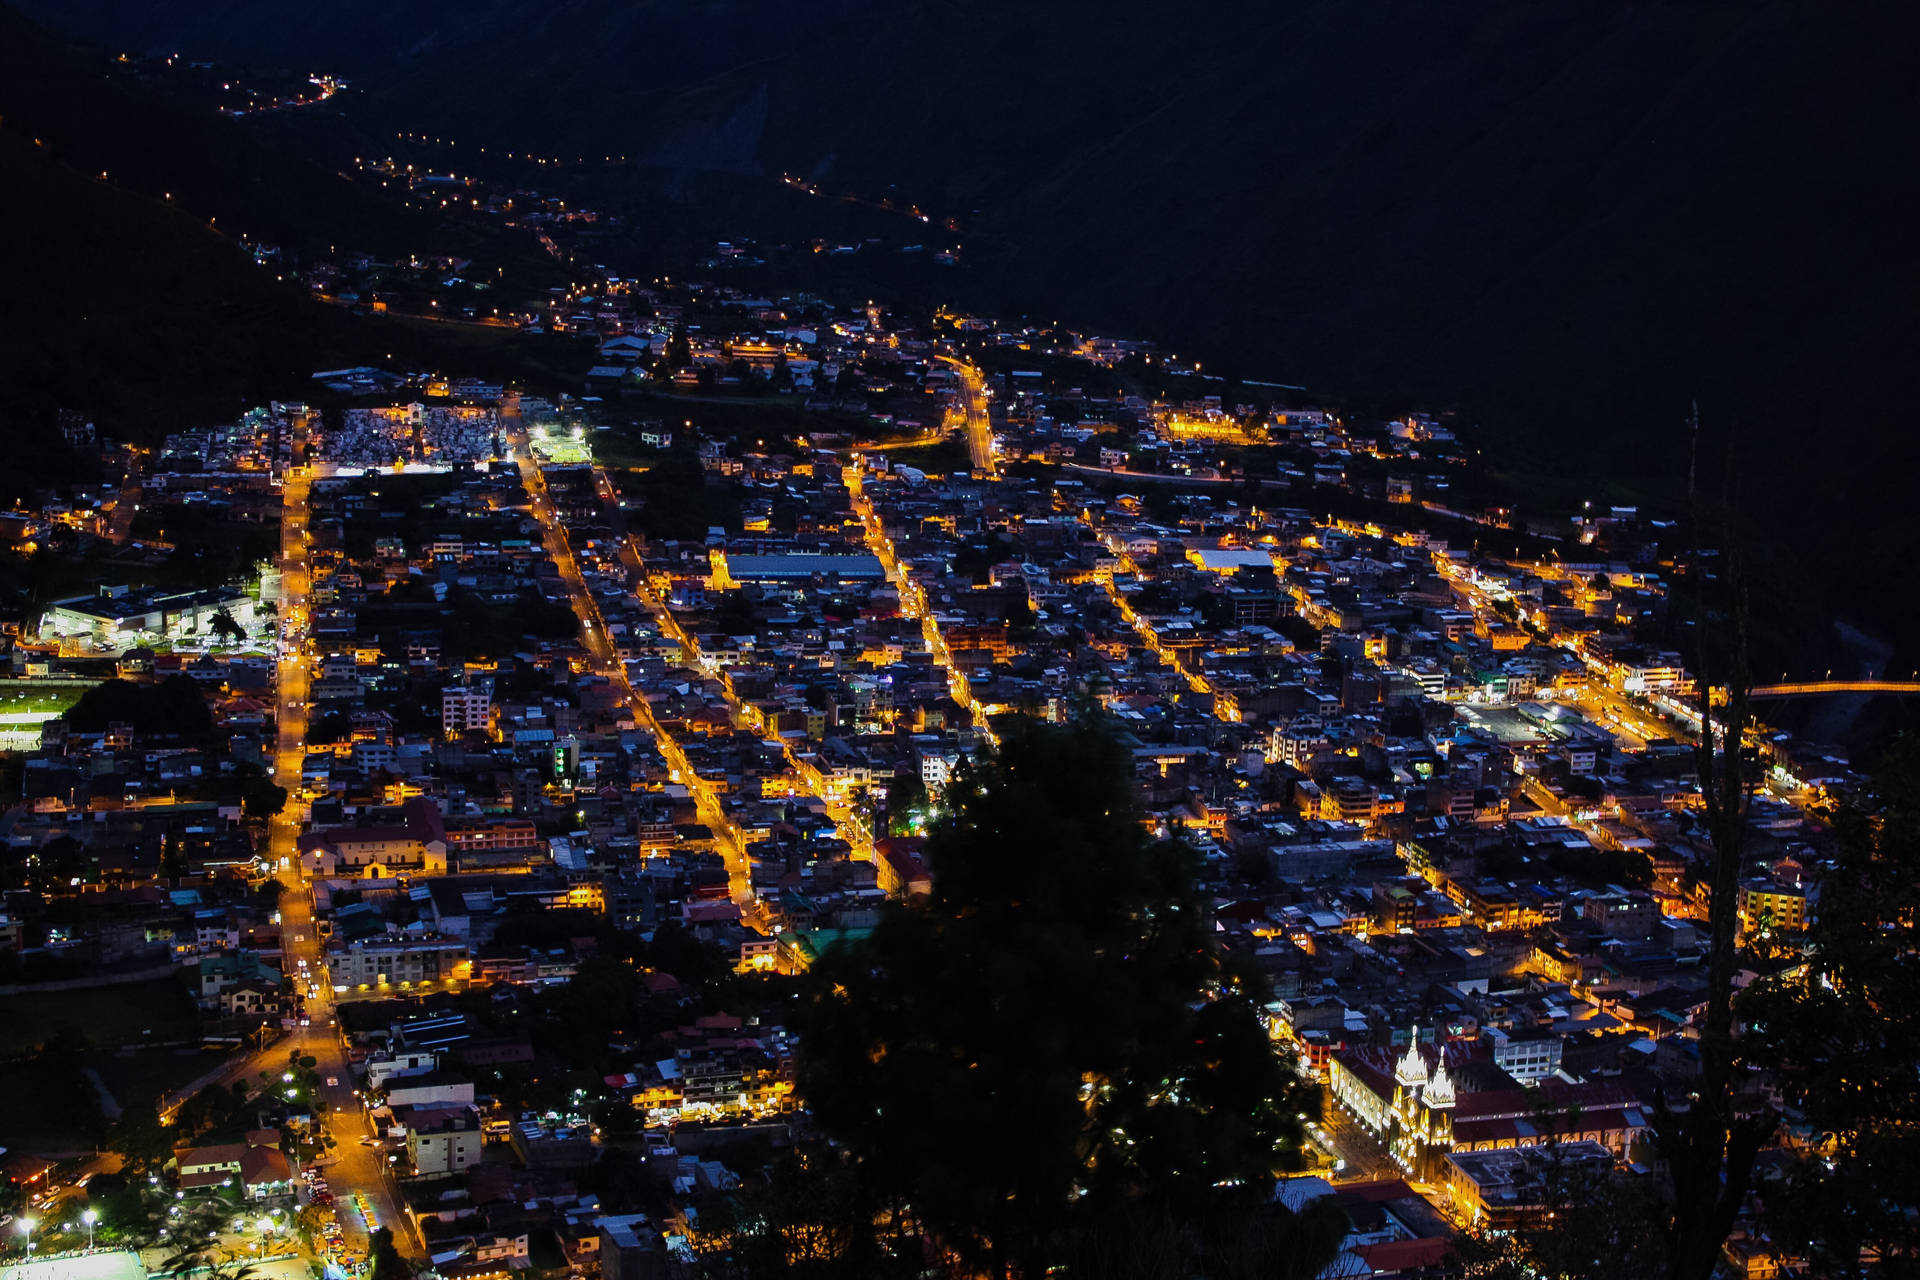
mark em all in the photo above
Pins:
pixel 90 1217
pixel 26 1229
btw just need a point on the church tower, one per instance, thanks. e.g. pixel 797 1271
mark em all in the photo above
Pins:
pixel 1404 1141
pixel 1438 1136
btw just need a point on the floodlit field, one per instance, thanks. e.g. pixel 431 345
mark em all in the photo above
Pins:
pixel 560 445
pixel 36 703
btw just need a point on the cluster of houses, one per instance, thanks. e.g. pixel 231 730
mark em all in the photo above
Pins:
pixel 436 436
pixel 1439 794
pixel 487 1187
pixel 1434 785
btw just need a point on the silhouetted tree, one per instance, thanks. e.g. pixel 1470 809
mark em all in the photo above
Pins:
pixel 140 1139
pixel 263 799
pixel 175 705
pixel 225 628
pixel 1050 1038
pixel 387 1262
pixel 1841 1033
pixel 1709 1149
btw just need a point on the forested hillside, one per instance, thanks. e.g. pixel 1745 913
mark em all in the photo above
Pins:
pixel 1568 219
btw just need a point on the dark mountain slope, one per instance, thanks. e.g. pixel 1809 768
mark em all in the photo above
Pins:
pixel 138 315
pixel 1571 211
pixel 126 305
pixel 1569 218
pixel 96 117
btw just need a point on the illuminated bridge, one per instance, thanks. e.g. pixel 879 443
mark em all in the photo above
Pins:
pixel 1819 688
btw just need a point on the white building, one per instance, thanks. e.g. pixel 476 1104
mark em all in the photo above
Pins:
pixel 1527 1056
pixel 465 707
pixel 443 1139
pixel 118 617
pixel 386 962
pixel 400 1062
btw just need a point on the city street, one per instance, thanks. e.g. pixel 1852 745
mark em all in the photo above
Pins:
pixel 1410 712
pixel 594 637
pixel 972 409
pixel 913 597
pixel 842 812
pixel 355 1168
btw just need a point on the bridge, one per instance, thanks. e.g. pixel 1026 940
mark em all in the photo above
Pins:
pixel 1821 688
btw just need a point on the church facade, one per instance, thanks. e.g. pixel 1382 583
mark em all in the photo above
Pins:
pixel 413 847
pixel 1432 1100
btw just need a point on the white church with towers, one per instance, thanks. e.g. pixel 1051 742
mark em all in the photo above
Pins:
pixel 1449 1096
pixel 1420 1129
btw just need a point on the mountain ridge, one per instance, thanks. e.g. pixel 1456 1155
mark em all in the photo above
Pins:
pixel 1567 220
pixel 1378 160
pixel 141 311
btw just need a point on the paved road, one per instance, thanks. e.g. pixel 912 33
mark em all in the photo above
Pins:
pixel 127 505
pixel 291 695
pixel 838 808
pixel 1148 477
pixel 973 410
pixel 359 1168
pixel 607 660
pixel 913 597
pixel 1826 688
pixel 1549 803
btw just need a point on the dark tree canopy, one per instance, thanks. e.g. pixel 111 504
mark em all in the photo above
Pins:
pixel 1048 1043
pixel 227 629
pixel 263 799
pixel 386 1259
pixel 1842 1034
pixel 175 705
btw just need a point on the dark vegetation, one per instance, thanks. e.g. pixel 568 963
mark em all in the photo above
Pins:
pixel 1102 1077
pixel 131 299
pixel 175 705
pixel 49 1039
pixel 1844 1038
pixel 406 507
pixel 103 1017
pixel 467 624
pixel 1568 218
pixel 670 496
pixel 943 458
pixel 208 545
pixel 1836 1040
pixel 46 1099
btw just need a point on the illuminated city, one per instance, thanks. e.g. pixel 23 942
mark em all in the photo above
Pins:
pixel 626 731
